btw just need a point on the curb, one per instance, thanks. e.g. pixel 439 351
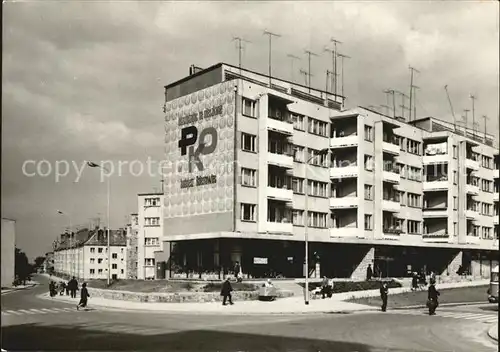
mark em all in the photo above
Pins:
pixel 442 305
pixel 221 312
pixel 493 332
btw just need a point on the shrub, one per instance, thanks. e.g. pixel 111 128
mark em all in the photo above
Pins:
pixel 350 286
pixel 237 286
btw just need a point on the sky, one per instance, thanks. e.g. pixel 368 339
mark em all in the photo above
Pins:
pixel 84 81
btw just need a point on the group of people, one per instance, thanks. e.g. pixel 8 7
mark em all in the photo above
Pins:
pixel 71 287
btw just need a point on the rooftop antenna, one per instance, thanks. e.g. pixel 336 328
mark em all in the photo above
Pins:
pixel 485 119
pixel 239 45
pixel 415 101
pixel 466 117
pixel 473 98
pixel 162 181
pixel 332 51
pixel 304 72
pixel 309 54
pixel 271 35
pixel 328 75
pixel 293 57
pixel 335 42
pixel 342 57
pixel 403 103
pixel 413 70
pixel 451 107
pixel 392 92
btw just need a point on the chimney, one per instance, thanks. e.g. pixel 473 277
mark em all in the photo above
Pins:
pixel 191 70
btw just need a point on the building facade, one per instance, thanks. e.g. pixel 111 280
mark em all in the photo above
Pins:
pixel 8 251
pixel 246 148
pixel 84 254
pixel 132 246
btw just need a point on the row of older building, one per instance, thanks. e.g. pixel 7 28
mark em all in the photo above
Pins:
pixel 258 163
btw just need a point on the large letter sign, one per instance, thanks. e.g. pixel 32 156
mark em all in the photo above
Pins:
pixel 189 136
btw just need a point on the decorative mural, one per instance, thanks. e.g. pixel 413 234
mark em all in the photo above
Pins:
pixel 199 152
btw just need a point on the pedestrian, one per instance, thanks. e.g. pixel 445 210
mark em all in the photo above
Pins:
pixel 324 287
pixel 369 272
pixel 73 287
pixel 225 292
pixel 432 298
pixel 67 288
pixel 237 272
pixel 432 277
pixel 414 281
pixel 62 288
pixel 52 289
pixel 84 295
pixel 384 292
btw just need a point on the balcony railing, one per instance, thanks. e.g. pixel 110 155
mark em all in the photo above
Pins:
pixel 392 230
pixel 392 139
pixel 391 168
pixel 436 178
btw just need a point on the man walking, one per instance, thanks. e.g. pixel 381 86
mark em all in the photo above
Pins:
pixel 226 292
pixel 73 287
pixel 384 292
pixel 84 295
pixel 432 298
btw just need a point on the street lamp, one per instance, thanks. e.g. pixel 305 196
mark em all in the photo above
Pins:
pixel 91 164
pixel 306 223
pixel 70 243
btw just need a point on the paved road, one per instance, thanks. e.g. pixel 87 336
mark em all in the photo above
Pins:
pixel 70 330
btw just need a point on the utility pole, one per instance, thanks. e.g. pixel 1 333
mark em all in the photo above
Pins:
pixel 335 42
pixel 473 98
pixel 309 54
pixel 485 127
pixel 342 57
pixel 451 107
pixel 271 35
pixel 239 46
pixel 293 57
pixel 412 69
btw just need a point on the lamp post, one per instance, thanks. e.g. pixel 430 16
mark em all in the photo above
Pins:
pixel 91 164
pixel 306 223
pixel 70 243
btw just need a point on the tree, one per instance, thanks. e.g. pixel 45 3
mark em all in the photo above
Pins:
pixel 39 262
pixel 23 269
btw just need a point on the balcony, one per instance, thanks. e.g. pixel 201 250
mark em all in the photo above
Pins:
pixel 496 196
pixel 344 172
pixel 391 205
pixel 391 232
pixel 279 126
pixel 431 185
pixel 390 147
pixel 280 160
pixel 279 227
pixel 282 194
pixel 436 237
pixel 346 232
pixel 495 219
pixel 343 202
pixel 472 189
pixel 472 239
pixel 435 213
pixel 390 174
pixel 471 214
pixel 342 142
pixel 496 173
pixel 435 159
pixel 472 163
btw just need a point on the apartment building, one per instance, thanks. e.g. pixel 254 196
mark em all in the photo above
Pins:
pixel 132 246
pixel 246 148
pixel 84 254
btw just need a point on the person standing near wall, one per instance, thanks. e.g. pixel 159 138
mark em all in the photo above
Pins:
pixel 384 292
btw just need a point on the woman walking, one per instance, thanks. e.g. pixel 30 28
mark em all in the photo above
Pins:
pixel 84 295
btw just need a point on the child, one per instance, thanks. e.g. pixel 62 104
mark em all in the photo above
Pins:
pixel 83 297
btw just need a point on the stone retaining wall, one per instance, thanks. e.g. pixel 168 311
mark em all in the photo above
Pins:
pixel 181 297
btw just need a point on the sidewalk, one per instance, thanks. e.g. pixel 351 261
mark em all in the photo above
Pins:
pixel 493 332
pixel 19 287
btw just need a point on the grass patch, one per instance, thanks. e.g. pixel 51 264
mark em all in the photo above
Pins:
pixel 351 286
pixel 237 286
pixel 452 295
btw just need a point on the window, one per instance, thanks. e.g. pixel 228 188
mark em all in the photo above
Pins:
pixel 298 122
pixel 298 154
pixel 152 221
pixel 248 177
pixel 486 209
pixel 92 271
pixel 402 143
pixel 455 177
pixel 402 198
pixel 368 192
pixel 114 256
pixel 414 200
pixel 298 217
pixel 413 227
pixel 316 158
pixel 92 260
pixel 317 127
pixel 486 162
pixel 298 185
pixel 455 229
pixel 99 260
pixel 152 202
pixel 455 152
pixel 317 188
pixel 368 222
pixel 486 186
pixel 412 147
pixel 248 212
pixel 99 250
pixel 99 271
pixel 249 107
pixel 368 162
pixel 316 219
pixel 455 202
pixel 414 173
pixel 248 142
pixel 122 271
pixel 149 261
pixel 92 250
pixel 400 168
pixel 368 133
pixel 114 266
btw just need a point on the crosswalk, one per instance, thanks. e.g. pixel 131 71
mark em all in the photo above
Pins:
pixel 479 317
pixel 34 311
pixel 117 328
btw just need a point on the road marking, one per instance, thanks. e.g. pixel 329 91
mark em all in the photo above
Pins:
pixel 37 311
pixel 14 312
pixel 5 313
pixel 26 311
pixel 47 310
